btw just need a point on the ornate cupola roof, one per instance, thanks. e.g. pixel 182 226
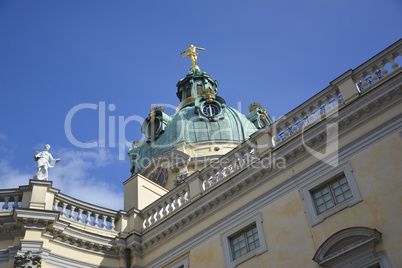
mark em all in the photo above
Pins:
pixel 195 84
pixel 202 128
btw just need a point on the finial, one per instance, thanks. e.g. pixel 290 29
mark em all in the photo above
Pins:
pixel 256 105
pixel 208 92
pixel 193 55
pixel 136 143
pixel 153 110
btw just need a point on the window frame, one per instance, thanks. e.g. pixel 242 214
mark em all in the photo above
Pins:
pixel 255 220
pixel 183 262
pixel 306 191
pixel 331 192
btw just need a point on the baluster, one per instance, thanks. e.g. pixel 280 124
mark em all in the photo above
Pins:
pixel 71 216
pixel 79 217
pixel 323 109
pixel 364 82
pixel 305 120
pixel 289 129
pixel 241 160
pixel 340 98
pixel 16 198
pixel 297 125
pixel 104 221
pixel 164 211
pixel 96 220
pixel 158 213
pixel 6 200
pixel 63 211
pixel 214 178
pixel 170 206
pixel 384 71
pixel 374 77
pixel 146 224
pixel 234 164
pixel 184 195
pixel 112 225
pixel 176 201
pixel 314 115
pixel 394 64
pixel 207 181
pixel 153 216
pixel 88 219
pixel 248 156
pixel 332 103
pixel 227 171
pixel 220 174
pixel 56 203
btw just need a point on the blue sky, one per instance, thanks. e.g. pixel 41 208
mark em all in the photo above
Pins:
pixel 55 55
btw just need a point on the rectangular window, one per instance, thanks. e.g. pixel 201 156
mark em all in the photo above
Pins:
pixel 331 194
pixel 199 89
pixel 244 242
pixel 188 92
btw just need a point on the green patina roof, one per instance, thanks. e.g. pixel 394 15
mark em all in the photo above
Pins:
pixel 186 126
pixel 190 125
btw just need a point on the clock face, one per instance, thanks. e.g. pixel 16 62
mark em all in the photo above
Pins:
pixel 210 109
pixel 160 176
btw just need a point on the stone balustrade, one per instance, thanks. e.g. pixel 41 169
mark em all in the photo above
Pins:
pixel 321 106
pixel 171 202
pixel 309 113
pixel 228 164
pixel 165 205
pixel 378 67
pixel 85 213
pixel 10 198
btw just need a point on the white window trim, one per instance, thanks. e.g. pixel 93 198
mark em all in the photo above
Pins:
pixel 184 261
pixel 306 190
pixel 227 249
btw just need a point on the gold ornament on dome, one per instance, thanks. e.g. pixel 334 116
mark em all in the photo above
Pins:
pixel 136 143
pixel 256 105
pixel 153 110
pixel 192 54
pixel 208 93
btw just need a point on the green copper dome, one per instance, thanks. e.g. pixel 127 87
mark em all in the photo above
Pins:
pixel 203 117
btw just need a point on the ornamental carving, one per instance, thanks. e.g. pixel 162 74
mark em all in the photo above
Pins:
pixel 28 260
pixel 208 93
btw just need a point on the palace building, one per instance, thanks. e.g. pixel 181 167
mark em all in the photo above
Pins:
pixel 212 187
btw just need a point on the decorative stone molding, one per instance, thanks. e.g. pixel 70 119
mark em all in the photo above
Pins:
pixel 249 179
pixel 28 259
pixel 351 247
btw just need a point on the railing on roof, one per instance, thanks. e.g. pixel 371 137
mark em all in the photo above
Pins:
pixel 378 67
pixel 309 113
pixel 85 213
pixel 10 198
pixel 217 171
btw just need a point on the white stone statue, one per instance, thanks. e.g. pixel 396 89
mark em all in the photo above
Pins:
pixel 44 160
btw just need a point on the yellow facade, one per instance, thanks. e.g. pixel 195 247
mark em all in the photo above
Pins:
pixel 270 184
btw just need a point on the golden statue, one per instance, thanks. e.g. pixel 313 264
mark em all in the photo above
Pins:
pixel 193 55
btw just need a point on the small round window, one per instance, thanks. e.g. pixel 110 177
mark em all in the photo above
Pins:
pixel 210 109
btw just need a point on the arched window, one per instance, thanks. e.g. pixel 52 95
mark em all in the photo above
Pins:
pixel 352 247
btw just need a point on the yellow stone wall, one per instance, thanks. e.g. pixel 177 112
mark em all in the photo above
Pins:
pixel 291 240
